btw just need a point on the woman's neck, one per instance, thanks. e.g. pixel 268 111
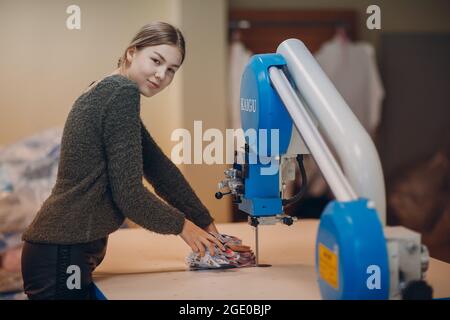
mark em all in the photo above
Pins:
pixel 117 71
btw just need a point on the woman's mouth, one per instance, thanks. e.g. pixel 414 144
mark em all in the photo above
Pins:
pixel 152 85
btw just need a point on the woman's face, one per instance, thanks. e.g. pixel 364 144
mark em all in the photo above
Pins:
pixel 153 68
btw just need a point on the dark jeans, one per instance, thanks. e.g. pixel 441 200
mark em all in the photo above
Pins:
pixel 52 271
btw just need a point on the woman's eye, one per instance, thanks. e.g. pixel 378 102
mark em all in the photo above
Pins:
pixel 172 70
pixel 156 61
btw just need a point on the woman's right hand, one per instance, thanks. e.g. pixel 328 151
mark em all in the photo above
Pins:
pixel 198 239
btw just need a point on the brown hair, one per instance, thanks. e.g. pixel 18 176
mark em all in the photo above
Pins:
pixel 154 34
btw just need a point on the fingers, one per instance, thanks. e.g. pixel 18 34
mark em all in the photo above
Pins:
pixel 211 248
pixel 199 240
pixel 217 242
pixel 201 248
pixel 194 247
pixel 205 244
pixel 209 245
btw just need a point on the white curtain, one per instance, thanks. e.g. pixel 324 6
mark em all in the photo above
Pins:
pixel 352 69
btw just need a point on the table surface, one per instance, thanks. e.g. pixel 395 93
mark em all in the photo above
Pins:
pixel 143 265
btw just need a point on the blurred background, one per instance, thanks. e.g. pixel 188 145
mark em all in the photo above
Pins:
pixel 395 79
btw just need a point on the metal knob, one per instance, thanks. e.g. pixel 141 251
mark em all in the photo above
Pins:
pixel 219 194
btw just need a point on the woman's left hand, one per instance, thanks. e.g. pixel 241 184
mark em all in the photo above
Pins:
pixel 211 228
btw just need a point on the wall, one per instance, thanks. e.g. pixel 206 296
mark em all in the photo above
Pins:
pixel 203 92
pixel 45 66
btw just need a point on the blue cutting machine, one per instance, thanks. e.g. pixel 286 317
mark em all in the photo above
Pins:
pixel 289 108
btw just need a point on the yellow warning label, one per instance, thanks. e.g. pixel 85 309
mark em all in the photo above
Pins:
pixel 328 266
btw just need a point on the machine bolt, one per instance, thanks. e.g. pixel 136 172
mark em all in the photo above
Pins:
pixel 288 221
pixel 254 221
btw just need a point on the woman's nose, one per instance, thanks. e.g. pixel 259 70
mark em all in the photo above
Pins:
pixel 160 75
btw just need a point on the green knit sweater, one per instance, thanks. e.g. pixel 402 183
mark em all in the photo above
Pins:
pixel 105 152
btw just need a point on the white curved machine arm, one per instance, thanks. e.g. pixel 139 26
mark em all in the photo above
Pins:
pixel 351 142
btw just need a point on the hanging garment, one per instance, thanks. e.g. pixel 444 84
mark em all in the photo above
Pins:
pixel 352 69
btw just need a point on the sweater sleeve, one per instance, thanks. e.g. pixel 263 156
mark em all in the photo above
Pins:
pixel 170 184
pixel 123 148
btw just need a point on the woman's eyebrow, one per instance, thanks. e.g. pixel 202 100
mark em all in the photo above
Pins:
pixel 164 60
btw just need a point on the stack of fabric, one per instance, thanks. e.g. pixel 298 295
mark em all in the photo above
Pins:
pixel 28 170
pixel 236 255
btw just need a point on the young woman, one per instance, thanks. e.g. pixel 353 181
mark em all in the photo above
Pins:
pixel 105 152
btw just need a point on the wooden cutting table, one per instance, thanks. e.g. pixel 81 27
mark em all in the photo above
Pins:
pixel 144 265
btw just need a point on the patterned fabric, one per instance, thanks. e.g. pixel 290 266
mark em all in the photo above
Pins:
pixel 236 255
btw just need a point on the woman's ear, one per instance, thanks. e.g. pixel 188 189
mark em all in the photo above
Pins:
pixel 130 54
